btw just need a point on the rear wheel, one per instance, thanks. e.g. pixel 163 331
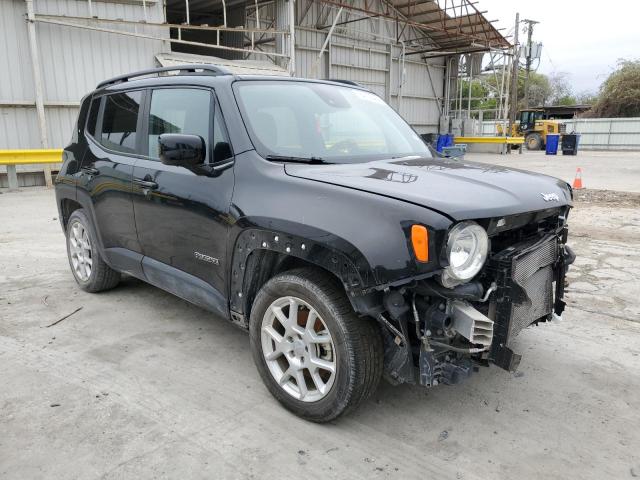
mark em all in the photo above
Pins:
pixel 316 357
pixel 533 141
pixel 89 269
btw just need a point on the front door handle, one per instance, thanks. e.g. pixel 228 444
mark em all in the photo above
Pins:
pixel 145 184
pixel 90 171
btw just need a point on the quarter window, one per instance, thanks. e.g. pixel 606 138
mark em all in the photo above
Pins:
pixel 92 120
pixel 120 120
pixel 221 146
pixel 178 110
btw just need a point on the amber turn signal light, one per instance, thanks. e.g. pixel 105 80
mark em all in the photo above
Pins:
pixel 420 242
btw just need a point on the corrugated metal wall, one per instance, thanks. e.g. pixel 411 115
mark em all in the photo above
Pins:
pixel 72 63
pixel 607 133
pixel 74 60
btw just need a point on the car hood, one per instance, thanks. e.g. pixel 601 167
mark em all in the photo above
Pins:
pixel 461 190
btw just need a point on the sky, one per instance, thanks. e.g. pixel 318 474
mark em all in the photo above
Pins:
pixel 583 38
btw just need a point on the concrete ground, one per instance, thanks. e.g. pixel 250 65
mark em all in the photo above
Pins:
pixel 140 384
pixel 600 170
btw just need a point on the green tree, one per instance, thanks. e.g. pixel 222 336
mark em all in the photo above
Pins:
pixel 539 89
pixel 478 94
pixel 567 100
pixel 489 107
pixel 587 97
pixel 620 92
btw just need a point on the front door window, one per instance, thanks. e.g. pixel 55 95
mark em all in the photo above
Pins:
pixel 179 110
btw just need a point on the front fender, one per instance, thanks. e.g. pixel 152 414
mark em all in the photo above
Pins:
pixel 360 237
pixel 251 266
pixel 322 249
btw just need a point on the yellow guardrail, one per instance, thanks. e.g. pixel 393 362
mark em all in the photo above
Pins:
pixel 11 158
pixel 30 157
pixel 495 140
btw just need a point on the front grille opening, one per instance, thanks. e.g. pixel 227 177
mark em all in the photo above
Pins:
pixel 531 231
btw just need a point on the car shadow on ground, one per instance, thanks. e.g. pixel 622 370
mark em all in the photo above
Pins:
pixel 178 318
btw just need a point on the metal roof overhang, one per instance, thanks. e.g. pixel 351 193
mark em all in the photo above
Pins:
pixel 443 26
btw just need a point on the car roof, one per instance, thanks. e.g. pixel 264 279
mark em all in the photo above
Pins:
pixel 199 75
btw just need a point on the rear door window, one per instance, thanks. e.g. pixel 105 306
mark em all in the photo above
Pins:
pixel 120 121
pixel 179 110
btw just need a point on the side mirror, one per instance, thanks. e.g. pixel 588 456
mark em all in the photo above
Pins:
pixel 181 150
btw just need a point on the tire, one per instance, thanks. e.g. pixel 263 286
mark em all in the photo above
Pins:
pixel 89 269
pixel 355 348
pixel 533 141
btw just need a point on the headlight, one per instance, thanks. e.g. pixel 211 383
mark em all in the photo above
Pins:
pixel 467 248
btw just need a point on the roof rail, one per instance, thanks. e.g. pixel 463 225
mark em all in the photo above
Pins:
pixel 190 69
pixel 346 82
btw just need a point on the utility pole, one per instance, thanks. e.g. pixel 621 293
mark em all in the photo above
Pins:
pixel 530 24
pixel 514 75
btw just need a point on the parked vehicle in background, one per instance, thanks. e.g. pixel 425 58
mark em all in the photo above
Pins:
pixel 312 215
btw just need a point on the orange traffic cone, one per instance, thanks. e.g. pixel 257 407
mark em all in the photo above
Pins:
pixel 577 182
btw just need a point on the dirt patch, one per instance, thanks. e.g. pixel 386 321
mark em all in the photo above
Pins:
pixel 608 197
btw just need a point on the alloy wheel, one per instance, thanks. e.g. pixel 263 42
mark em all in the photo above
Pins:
pixel 80 251
pixel 298 349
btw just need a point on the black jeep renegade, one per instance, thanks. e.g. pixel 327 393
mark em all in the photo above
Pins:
pixel 311 214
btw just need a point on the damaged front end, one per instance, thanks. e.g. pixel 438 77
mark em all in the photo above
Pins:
pixel 436 334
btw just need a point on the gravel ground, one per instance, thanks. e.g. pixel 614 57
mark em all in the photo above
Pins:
pixel 139 384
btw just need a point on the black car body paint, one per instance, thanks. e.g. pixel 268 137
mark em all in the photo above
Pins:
pixel 255 217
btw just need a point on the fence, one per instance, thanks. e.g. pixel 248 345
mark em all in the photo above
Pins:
pixel 596 133
pixel 607 133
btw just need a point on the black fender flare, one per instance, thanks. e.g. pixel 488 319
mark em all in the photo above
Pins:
pixel 330 254
pixel 84 200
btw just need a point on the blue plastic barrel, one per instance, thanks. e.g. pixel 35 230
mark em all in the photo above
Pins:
pixel 449 141
pixel 444 140
pixel 553 139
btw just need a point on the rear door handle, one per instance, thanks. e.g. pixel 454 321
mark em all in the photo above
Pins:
pixel 90 171
pixel 145 184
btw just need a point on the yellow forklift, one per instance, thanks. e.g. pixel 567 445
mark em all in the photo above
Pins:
pixel 534 125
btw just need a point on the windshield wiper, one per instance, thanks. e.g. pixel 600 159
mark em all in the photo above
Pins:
pixel 287 158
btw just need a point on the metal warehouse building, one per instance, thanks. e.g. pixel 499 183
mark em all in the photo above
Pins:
pixel 413 53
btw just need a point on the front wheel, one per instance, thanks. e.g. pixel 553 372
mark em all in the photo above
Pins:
pixel 533 141
pixel 316 357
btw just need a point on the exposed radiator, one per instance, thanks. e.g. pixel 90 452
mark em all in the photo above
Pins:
pixel 533 284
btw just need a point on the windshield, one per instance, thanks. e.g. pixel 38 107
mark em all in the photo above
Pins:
pixel 316 121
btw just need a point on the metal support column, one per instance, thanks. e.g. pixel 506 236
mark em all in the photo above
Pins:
pixel 12 177
pixel 513 111
pixel 292 37
pixel 37 82
pixel 387 75
pixel 316 66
